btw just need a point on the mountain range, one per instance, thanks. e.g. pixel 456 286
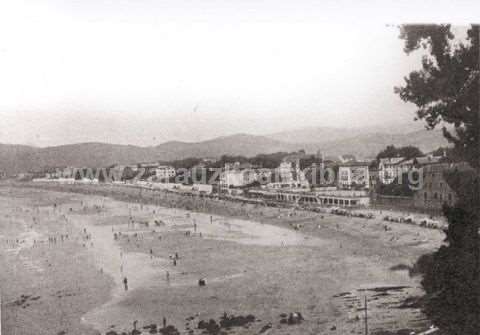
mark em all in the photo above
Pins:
pixel 363 143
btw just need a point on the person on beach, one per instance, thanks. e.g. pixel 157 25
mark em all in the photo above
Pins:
pixel 125 283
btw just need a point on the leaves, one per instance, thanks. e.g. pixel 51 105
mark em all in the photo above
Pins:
pixel 446 87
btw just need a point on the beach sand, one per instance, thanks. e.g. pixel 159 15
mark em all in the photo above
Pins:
pixel 253 261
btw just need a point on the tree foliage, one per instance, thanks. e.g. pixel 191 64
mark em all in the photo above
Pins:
pixel 446 87
pixel 446 91
pixel 400 187
pixel 407 152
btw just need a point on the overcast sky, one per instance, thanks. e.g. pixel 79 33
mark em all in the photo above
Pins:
pixel 144 71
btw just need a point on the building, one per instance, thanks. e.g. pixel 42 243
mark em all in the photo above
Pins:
pixel 148 165
pixel 286 185
pixel 373 174
pixel 288 172
pixel 202 188
pixel 209 160
pixel 116 172
pixel 164 172
pixel 435 191
pixel 319 175
pixel 388 169
pixel 334 198
pixel 264 176
pixel 61 172
pixel 428 160
pixel 236 177
pixel 406 165
pixel 328 198
pixel 347 158
pixel 353 175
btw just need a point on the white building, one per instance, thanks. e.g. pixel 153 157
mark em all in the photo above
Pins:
pixel 353 174
pixel 237 178
pixel 290 173
pixel 164 172
pixel 388 169
pixel 335 198
pixel 202 188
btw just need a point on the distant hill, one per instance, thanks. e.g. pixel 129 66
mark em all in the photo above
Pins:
pixel 369 145
pixel 329 134
pixel 20 158
pixel 316 135
pixel 17 158
pixel 11 156
pixel 85 154
pixel 240 144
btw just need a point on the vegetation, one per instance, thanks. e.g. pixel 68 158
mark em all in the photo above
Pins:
pixel 186 163
pixel 400 187
pixel 446 91
pixel 407 152
pixel 268 161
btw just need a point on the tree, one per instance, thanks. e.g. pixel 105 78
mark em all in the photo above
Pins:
pixel 446 91
pixel 400 187
pixel 309 160
pixel 228 159
pixel 446 88
pixel 128 173
pixel 269 161
pixel 407 152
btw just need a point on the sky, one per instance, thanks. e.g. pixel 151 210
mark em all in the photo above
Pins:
pixel 144 72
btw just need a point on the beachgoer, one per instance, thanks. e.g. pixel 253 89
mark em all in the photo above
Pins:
pixel 125 283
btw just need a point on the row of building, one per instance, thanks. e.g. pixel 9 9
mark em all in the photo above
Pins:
pixel 345 182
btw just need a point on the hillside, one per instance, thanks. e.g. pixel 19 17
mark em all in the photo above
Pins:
pixel 328 134
pixel 16 158
pixel 19 158
pixel 369 145
pixel 11 156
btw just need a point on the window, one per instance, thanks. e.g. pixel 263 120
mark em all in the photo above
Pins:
pixel 435 196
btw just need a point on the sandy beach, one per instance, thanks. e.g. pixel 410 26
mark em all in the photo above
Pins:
pixel 66 253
